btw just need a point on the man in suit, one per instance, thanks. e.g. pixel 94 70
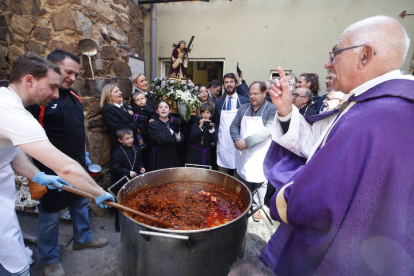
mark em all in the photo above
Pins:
pixel 328 81
pixel 224 113
pixel 214 89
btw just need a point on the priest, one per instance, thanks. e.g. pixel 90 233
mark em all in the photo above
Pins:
pixel 349 210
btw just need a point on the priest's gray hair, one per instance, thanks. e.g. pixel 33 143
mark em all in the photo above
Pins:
pixel 385 34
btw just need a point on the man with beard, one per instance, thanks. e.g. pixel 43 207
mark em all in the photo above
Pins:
pixel 355 218
pixel 63 122
pixel 224 113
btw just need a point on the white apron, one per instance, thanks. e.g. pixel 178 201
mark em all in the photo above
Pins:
pixel 226 151
pixel 250 161
pixel 12 253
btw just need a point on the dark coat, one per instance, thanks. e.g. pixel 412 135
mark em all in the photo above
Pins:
pixel 142 115
pixel 122 159
pixel 163 146
pixel 149 96
pixel 308 110
pixel 201 143
pixel 319 102
pixel 114 118
pixel 219 108
pixel 243 89
pixel 64 126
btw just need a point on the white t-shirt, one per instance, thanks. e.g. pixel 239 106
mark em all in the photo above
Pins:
pixel 17 126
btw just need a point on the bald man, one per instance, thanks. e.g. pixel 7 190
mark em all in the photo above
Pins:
pixel 357 217
pixel 333 100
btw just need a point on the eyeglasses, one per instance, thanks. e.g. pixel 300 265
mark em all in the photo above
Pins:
pixel 254 94
pixel 334 53
pixel 295 95
pixel 330 99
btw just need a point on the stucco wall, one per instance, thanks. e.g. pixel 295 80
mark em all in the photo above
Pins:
pixel 265 34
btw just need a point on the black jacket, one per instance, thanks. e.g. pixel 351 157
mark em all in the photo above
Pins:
pixel 220 106
pixel 64 125
pixel 114 118
pixel 142 115
pixel 126 159
pixel 163 146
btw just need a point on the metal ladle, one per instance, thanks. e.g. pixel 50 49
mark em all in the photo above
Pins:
pixel 89 48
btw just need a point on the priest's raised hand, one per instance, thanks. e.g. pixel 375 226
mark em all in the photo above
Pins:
pixel 281 95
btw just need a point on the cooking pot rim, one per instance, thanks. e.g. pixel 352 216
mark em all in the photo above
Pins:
pixel 242 215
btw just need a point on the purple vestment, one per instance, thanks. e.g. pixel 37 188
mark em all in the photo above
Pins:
pixel 351 207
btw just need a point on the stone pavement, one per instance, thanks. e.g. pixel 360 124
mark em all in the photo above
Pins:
pixel 107 261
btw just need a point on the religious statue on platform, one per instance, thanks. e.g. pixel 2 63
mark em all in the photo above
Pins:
pixel 179 60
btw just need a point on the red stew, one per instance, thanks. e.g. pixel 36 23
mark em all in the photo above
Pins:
pixel 188 205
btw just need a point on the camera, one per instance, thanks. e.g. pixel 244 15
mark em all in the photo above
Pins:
pixel 206 124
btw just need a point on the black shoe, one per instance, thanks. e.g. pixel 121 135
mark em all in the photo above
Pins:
pixel 142 145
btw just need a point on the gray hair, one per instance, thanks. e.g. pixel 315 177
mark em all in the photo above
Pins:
pixel 385 34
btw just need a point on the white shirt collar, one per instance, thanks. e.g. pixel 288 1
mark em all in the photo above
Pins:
pixel 118 105
pixel 234 96
pixel 396 74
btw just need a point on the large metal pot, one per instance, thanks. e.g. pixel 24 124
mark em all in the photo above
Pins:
pixel 148 250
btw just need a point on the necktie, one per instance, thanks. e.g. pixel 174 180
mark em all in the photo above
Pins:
pixel 229 104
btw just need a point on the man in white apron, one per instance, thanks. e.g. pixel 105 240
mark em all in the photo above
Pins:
pixel 33 80
pixel 250 132
pixel 224 113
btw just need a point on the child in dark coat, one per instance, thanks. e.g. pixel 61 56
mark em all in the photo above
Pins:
pixel 126 159
pixel 143 115
pixel 203 138
pixel 164 135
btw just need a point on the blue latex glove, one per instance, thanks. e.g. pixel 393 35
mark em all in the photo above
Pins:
pixel 87 160
pixel 46 180
pixel 105 196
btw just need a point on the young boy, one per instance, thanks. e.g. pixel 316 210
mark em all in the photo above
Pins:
pixel 203 137
pixel 126 160
pixel 143 115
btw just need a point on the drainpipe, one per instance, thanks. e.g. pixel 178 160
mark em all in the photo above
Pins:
pixel 153 39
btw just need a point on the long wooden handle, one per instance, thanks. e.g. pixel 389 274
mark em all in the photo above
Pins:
pixel 118 206
pixel 90 63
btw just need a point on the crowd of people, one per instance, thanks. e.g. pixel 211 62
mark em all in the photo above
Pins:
pixel 229 132
pixel 340 187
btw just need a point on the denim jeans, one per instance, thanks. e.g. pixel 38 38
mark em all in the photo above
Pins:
pixel 24 272
pixel 48 229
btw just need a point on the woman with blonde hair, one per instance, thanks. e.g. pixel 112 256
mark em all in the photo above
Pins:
pixel 115 114
pixel 141 85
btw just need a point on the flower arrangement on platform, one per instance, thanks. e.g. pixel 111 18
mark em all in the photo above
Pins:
pixel 181 95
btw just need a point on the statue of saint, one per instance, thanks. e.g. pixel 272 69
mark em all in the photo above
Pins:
pixel 179 62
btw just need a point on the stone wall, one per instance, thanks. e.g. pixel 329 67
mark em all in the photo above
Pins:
pixel 42 25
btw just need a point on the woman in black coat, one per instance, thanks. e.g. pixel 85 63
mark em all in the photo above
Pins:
pixel 115 114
